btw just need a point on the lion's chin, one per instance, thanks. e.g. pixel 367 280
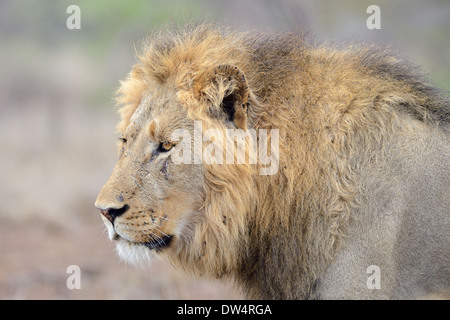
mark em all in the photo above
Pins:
pixel 135 253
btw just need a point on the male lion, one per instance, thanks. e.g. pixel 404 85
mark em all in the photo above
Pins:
pixel 359 204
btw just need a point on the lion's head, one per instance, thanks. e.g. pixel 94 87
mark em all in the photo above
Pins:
pixel 163 197
pixel 148 197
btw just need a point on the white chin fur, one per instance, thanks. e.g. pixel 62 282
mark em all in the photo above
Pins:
pixel 137 255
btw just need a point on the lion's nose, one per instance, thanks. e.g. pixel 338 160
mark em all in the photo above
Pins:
pixel 112 213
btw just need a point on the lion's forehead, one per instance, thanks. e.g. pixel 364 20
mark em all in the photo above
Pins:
pixel 143 112
pixel 162 108
pixel 148 109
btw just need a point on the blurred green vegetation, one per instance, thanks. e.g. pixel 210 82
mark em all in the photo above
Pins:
pixel 111 28
pixel 109 21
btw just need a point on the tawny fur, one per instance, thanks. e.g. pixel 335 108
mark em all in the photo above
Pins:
pixel 339 111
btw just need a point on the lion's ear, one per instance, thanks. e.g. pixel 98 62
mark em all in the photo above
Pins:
pixel 226 89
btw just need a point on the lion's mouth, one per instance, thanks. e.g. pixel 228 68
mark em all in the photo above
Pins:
pixel 154 242
pixel 158 243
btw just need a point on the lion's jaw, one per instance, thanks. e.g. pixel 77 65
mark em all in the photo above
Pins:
pixel 129 251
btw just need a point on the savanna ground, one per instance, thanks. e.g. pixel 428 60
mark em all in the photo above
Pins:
pixel 57 125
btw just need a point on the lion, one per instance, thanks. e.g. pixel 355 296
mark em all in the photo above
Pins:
pixel 358 206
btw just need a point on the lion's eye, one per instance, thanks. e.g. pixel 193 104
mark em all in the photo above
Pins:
pixel 165 146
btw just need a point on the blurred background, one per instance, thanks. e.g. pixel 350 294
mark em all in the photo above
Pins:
pixel 57 124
